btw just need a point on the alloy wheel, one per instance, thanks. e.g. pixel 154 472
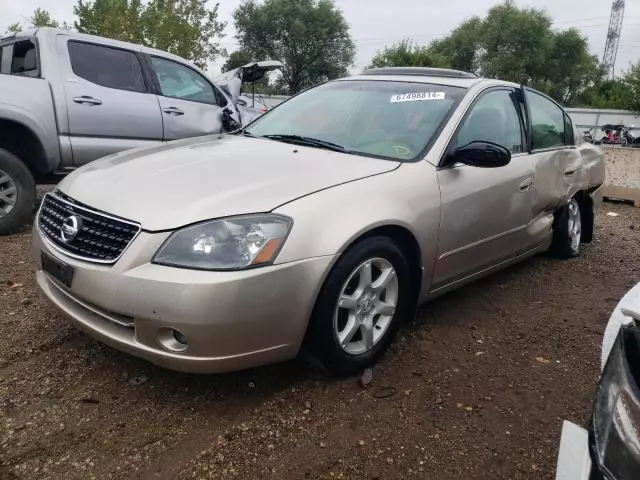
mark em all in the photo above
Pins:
pixel 8 193
pixel 575 225
pixel 366 306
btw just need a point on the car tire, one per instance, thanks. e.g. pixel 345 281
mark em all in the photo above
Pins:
pixel 349 303
pixel 17 193
pixel 567 231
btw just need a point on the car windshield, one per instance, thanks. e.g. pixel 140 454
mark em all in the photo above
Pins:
pixel 393 120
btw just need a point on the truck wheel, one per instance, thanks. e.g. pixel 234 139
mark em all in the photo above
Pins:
pixel 17 193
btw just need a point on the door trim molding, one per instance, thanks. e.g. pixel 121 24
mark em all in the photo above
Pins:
pixel 484 240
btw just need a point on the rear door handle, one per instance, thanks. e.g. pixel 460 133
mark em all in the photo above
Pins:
pixel 526 185
pixel 173 111
pixel 86 99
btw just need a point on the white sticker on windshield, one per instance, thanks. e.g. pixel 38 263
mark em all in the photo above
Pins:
pixel 417 97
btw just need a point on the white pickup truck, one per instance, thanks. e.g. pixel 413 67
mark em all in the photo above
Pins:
pixel 67 99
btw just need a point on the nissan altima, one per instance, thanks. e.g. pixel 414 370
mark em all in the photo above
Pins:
pixel 320 226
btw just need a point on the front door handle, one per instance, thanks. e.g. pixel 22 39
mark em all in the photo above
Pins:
pixel 526 185
pixel 87 100
pixel 173 111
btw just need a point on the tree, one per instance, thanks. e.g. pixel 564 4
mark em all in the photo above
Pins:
pixel 14 27
pixel 519 45
pixel 310 37
pixel 117 19
pixel 406 54
pixel 237 59
pixel 40 18
pixel 606 93
pixel 461 49
pixel 632 82
pixel 188 28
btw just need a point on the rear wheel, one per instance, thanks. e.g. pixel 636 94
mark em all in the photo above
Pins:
pixel 360 306
pixel 567 231
pixel 17 193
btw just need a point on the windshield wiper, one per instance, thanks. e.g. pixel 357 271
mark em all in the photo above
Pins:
pixel 308 141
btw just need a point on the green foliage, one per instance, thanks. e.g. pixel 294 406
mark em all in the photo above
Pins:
pixel 406 54
pixel 519 45
pixel 461 47
pixel 310 37
pixel 237 59
pixel 632 82
pixel 606 94
pixel 14 27
pixel 40 18
pixel 117 19
pixel 515 44
pixel 188 28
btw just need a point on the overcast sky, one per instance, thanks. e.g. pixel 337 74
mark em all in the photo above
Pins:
pixel 376 23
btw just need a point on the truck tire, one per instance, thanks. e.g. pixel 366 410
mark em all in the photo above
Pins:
pixel 17 193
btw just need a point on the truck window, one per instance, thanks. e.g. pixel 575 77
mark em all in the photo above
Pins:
pixel 20 58
pixel 181 82
pixel 106 66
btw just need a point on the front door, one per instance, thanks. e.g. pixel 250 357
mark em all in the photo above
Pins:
pixel 189 102
pixel 110 107
pixel 485 211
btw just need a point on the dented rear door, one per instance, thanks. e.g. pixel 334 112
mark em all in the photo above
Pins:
pixel 557 162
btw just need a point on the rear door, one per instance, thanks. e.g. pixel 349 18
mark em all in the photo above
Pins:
pixel 110 105
pixel 191 106
pixel 557 160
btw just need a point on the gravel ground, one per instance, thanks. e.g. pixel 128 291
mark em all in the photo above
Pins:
pixel 476 387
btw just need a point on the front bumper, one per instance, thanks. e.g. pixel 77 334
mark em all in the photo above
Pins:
pixel 231 320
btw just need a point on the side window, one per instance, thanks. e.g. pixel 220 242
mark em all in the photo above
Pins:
pixel 179 81
pixel 547 122
pixel 493 118
pixel 106 66
pixel 25 59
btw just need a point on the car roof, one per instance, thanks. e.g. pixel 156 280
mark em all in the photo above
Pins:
pixel 453 78
pixel 51 32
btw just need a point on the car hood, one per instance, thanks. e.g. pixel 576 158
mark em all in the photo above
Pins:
pixel 188 181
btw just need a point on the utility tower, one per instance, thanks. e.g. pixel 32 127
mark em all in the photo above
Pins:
pixel 509 3
pixel 613 36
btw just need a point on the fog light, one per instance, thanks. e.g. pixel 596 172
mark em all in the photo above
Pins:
pixel 172 339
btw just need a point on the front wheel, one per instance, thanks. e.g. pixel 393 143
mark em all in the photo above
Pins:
pixel 17 193
pixel 360 306
pixel 567 231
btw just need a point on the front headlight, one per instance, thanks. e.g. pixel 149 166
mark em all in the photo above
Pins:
pixel 615 424
pixel 226 244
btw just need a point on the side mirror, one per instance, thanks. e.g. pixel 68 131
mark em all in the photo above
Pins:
pixel 481 154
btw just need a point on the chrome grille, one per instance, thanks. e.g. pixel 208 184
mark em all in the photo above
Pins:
pixel 100 237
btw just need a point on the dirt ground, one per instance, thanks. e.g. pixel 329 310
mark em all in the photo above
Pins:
pixel 476 387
